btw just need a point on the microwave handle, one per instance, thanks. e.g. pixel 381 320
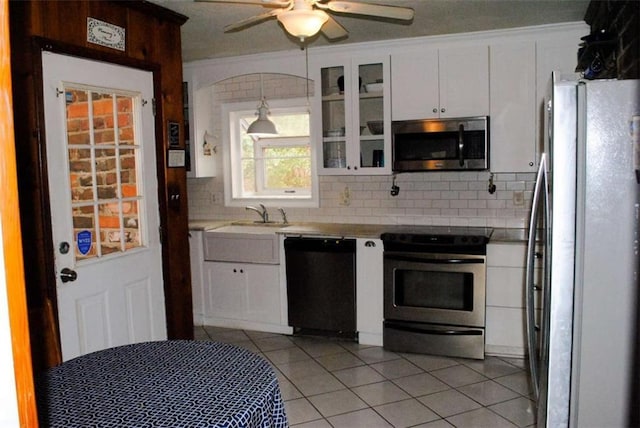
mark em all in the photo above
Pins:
pixel 461 144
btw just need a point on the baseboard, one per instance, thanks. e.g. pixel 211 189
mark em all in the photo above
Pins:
pixel 373 339
pixel 247 325
pixel 504 351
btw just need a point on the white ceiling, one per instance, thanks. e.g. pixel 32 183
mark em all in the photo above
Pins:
pixel 203 36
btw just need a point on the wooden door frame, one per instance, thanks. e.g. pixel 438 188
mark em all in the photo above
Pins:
pixel 12 239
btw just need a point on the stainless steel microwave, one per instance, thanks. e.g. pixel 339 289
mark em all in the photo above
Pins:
pixel 440 144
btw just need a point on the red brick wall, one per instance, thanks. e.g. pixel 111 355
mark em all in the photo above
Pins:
pixel 620 18
pixel 101 123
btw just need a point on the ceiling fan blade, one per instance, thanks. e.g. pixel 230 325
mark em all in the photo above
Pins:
pixel 332 30
pixel 251 21
pixel 383 11
pixel 267 3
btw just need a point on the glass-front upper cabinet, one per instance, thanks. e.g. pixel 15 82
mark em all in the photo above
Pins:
pixel 355 117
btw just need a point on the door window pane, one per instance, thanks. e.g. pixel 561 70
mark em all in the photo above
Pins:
pixel 103 171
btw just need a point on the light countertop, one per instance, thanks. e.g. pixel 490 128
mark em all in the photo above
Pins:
pixel 370 231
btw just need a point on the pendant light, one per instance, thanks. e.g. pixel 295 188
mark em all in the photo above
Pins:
pixel 262 126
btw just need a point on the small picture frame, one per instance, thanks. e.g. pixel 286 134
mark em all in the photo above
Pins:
pixel 173 133
pixel 176 158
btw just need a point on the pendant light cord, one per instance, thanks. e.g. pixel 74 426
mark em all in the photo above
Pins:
pixel 306 83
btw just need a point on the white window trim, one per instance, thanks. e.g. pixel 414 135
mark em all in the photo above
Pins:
pixel 231 156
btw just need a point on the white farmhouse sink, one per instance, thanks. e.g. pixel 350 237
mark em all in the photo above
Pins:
pixel 243 243
pixel 257 229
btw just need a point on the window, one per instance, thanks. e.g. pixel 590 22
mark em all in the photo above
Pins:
pixel 276 169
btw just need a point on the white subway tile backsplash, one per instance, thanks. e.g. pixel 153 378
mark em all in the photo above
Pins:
pixel 424 199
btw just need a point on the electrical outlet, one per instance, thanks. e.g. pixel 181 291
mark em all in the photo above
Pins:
pixel 518 198
pixel 345 197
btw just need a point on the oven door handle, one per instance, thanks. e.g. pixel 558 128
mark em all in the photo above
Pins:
pixel 447 332
pixel 434 261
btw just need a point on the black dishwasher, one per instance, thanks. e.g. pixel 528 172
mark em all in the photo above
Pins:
pixel 321 286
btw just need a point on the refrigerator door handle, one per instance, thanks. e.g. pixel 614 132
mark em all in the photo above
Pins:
pixel 461 144
pixel 540 192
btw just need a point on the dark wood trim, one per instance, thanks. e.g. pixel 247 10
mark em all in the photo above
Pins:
pixel 153 44
pixel 43 44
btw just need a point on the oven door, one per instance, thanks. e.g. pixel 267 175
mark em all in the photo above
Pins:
pixel 444 289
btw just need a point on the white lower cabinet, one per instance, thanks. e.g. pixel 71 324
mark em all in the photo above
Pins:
pixel 369 292
pixel 505 315
pixel 241 294
pixel 196 257
pixel 243 291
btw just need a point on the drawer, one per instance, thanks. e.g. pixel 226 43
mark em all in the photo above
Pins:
pixel 509 255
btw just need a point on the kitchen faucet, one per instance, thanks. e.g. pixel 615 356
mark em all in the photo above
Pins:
pixel 261 212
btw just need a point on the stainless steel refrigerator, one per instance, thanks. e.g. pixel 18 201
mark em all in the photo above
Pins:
pixel 584 229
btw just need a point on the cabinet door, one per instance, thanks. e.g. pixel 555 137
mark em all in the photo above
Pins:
pixel 464 81
pixel 196 257
pixel 226 290
pixel 201 150
pixel 335 113
pixel 369 291
pixel 414 85
pixel 506 318
pixel 371 131
pixel 551 55
pixel 348 145
pixel 263 293
pixel 513 103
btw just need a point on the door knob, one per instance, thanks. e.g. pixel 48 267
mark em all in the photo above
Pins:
pixel 67 275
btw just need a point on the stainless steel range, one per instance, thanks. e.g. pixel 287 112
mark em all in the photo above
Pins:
pixel 434 290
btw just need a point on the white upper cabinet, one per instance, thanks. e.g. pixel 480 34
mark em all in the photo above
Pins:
pixel 354 122
pixel 202 146
pixel 438 83
pixel 512 107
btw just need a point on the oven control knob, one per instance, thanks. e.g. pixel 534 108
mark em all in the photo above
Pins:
pixel 464 239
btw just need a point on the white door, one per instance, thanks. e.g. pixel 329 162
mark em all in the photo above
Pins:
pixel 101 164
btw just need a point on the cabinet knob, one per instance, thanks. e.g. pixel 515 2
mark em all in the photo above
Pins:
pixel 369 244
pixel 348 166
pixel 442 110
pixel 355 167
pixel 435 110
pixel 530 163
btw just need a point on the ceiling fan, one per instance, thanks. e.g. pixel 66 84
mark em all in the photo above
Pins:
pixel 305 18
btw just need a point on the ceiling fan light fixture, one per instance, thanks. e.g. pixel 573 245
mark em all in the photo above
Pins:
pixel 303 23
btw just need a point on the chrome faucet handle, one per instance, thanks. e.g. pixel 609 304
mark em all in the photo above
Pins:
pixel 284 216
pixel 265 214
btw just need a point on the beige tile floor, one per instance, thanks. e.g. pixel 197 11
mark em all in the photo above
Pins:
pixel 332 383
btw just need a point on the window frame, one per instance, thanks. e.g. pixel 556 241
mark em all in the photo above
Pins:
pixel 231 112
